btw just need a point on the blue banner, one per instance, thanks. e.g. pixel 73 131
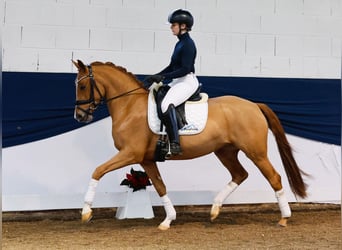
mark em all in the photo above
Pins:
pixel 40 105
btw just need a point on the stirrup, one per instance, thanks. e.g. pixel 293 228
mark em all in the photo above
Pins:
pixel 175 148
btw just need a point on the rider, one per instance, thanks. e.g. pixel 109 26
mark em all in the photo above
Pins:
pixel 181 71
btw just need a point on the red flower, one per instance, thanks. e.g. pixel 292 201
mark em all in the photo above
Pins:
pixel 136 180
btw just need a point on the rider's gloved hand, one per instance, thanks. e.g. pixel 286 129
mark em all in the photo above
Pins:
pixel 146 84
pixel 154 78
pixel 149 80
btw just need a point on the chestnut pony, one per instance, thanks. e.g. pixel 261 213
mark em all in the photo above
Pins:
pixel 234 124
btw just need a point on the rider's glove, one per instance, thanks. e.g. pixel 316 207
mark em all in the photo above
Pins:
pixel 154 78
pixel 147 85
pixel 149 80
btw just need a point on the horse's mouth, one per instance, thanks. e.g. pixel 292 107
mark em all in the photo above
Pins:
pixel 87 120
pixel 83 117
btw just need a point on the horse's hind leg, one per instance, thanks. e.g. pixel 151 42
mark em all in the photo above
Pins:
pixel 229 158
pixel 153 173
pixel 274 179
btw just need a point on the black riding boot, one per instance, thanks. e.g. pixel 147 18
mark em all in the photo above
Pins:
pixel 170 122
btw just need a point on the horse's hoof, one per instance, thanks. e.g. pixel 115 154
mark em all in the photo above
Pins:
pixel 163 227
pixel 215 211
pixel 87 217
pixel 283 222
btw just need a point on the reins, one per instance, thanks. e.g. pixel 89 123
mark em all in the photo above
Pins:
pixel 121 95
pixel 91 99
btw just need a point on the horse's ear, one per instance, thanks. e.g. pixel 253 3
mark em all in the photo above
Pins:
pixel 79 65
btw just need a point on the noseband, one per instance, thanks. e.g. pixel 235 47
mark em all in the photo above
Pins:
pixel 94 105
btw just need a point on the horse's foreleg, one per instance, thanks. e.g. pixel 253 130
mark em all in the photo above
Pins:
pixel 118 161
pixel 153 173
pixel 170 213
pixel 228 157
pixel 87 212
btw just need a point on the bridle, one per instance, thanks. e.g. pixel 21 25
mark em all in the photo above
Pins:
pixel 93 87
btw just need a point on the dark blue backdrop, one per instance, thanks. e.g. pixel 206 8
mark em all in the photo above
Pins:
pixel 41 105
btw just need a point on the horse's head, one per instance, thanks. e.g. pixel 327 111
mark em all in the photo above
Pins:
pixel 88 95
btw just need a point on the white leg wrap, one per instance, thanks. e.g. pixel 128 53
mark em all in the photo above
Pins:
pixel 86 208
pixel 283 204
pixel 224 193
pixel 89 197
pixel 170 212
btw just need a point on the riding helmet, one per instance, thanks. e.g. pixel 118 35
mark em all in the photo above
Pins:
pixel 182 16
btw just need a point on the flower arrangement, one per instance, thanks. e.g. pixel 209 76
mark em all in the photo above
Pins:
pixel 136 180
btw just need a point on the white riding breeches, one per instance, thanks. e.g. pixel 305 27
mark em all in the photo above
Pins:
pixel 181 89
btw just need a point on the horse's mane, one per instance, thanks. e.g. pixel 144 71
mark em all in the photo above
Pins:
pixel 122 69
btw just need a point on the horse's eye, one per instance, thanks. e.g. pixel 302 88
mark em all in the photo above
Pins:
pixel 82 87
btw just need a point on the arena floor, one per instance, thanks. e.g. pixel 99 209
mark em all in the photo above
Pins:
pixel 312 226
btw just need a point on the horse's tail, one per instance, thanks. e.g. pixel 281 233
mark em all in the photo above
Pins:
pixel 293 172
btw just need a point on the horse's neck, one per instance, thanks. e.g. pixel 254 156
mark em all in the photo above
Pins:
pixel 123 104
pixel 116 86
pixel 127 103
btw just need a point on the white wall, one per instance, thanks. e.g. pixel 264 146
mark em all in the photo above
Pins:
pixel 283 38
pixel 54 173
pixel 269 38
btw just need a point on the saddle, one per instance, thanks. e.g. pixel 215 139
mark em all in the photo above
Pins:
pixel 159 95
pixel 191 116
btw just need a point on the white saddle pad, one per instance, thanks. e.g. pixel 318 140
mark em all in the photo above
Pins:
pixel 196 114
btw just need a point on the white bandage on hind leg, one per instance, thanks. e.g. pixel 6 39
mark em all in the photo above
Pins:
pixel 283 204
pixel 224 193
pixel 89 197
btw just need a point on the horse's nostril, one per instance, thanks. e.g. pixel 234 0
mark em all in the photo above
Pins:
pixel 78 116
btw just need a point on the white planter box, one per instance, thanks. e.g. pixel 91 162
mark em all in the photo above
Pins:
pixel 138 205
